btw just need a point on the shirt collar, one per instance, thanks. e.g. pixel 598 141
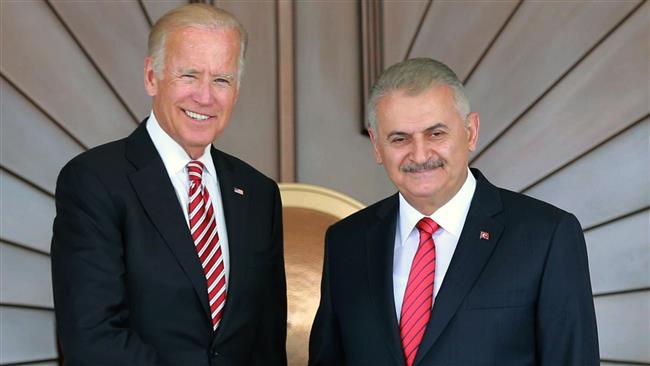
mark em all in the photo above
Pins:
pixel 173 156
pixel 451 216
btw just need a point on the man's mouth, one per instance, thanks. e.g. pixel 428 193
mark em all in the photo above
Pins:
pixel 196 116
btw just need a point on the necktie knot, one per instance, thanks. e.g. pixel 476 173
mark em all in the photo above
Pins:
pixel 195 171
pixel 427 225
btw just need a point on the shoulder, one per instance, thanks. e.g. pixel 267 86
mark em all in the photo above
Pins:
pixel 101 160
pixel 534 218
pixel 524 208
pixel 366 217
pixel 513 208
pixel 238 164
pixel 94 178
pixel 241 170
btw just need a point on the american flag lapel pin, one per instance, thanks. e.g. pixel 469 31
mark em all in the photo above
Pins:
pixel 484 235
pixel 239 191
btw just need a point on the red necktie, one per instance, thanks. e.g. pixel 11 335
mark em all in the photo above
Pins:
pixel 203 226
pixel 418 297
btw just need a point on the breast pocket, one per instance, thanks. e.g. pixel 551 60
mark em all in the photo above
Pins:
pixel 499 299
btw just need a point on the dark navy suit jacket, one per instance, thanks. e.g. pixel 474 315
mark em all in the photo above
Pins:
pixel 521 297
pixel 128 285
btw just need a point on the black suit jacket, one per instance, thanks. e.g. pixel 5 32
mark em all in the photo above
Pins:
pixel 522 297
pixel 128 285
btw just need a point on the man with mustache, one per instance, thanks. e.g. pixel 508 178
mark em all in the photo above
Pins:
pixel 451 270
pixel 167 251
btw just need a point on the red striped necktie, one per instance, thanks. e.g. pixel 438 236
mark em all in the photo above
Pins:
pixel 418 297
pixel 203 226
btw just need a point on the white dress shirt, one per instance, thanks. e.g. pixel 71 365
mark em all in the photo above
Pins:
pixel 451 219
pixel 175 160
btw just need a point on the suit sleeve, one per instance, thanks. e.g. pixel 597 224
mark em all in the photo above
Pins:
pixel 325 346
pixel 88 274
pixel 566 332
pixel 270 348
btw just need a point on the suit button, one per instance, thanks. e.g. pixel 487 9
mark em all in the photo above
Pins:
pixel 215 353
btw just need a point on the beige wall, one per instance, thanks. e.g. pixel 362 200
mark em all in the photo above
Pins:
pixel 331 151
pixel 561 87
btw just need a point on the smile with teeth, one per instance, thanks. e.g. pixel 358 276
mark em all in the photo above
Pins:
pixel 195 115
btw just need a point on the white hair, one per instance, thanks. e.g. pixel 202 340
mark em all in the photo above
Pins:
pixel 416 76
pixel 193 15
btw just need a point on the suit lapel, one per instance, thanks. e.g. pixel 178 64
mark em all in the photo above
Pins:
pixel 380 242
pixel 158 198
pixel 235 208
pixel 468 261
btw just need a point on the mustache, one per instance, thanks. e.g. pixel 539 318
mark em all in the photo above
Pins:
pixel 416 168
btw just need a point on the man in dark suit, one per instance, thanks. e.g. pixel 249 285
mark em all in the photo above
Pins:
pixel 167 251
pixel 451 270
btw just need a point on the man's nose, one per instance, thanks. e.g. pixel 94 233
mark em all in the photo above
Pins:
pixel 420 151
pixel 203 92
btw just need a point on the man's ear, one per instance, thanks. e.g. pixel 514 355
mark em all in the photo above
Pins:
pixel 150 81
pixel 473 125
pixel 373 139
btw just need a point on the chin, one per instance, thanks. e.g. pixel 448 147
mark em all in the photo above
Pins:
pixel 201 136
pixel 423 192
pixel 203 143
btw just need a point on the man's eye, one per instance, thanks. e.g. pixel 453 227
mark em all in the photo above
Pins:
pixel 188 76
pixel 222 81
pixel 397 140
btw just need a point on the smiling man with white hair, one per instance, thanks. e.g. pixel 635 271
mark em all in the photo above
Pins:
pixel 167 251
pixel 451 270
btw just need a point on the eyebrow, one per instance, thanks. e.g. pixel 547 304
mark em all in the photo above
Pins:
pixel 225 76
pixel 436 126
pixel 187 71
pixel 428 129
pixel 194 72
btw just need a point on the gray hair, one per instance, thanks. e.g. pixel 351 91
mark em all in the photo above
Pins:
pixel 193 15
pixel 415 76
